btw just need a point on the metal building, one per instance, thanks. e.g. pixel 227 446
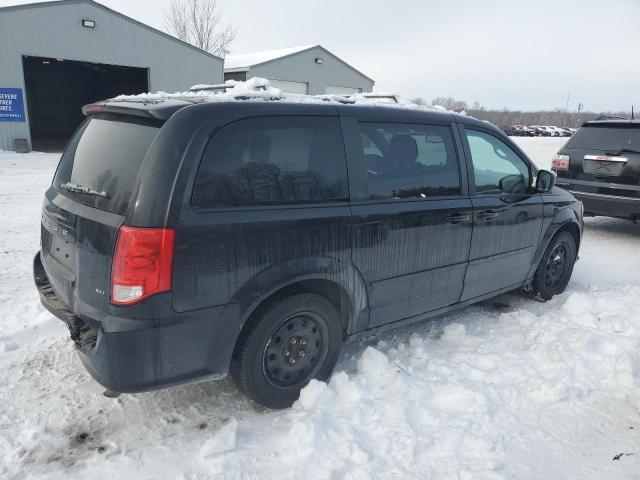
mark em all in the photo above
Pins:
pixel 57 56
pixel 311 69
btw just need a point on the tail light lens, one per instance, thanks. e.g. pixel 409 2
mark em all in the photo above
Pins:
pixel 142 264
pixel 560 162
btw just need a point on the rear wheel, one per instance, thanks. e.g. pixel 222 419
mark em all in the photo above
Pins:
pixel 556 266
pixel 293 341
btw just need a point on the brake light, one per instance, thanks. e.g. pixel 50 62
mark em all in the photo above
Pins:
pixel 560 162
pixel 142 264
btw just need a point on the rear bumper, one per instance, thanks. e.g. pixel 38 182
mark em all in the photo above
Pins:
pixel 609 205
pixel 134 355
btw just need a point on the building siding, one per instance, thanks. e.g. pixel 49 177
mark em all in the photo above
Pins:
pixel 301 67
pixel 55 30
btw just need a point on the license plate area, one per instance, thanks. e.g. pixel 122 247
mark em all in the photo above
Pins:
pixel 58 241
pixel 603 165
pixel 62 250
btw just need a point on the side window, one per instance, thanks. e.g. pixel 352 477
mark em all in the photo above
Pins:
pixel 409 161
pixel 273 160
pixel 497 168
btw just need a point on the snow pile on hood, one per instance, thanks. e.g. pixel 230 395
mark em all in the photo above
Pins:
pixel 260 89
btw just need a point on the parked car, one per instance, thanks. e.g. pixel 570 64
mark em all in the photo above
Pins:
pixel 512 131
pixel 526 131
pixel 518 131
pixel 600 165
pixel 182 241
pixel 541 131
pixel 562 132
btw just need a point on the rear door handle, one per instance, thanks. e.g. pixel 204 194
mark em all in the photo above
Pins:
pixel 458 217
pixel 487 214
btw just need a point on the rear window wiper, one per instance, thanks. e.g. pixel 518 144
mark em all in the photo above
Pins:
pixel 72 187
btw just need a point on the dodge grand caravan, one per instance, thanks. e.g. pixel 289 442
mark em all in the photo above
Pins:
pixel 185 240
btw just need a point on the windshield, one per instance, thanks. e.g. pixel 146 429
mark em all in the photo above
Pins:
pixel 606 138
pixel 101 163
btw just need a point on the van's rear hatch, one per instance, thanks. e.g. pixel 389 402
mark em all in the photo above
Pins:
pixel 604 158
pixel 87 203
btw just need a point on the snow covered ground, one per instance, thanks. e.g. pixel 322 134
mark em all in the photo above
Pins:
pixel 510 389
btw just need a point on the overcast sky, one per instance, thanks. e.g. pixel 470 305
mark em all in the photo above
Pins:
pixel 518 54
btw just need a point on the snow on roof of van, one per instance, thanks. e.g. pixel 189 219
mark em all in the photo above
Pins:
pixel 260 89
pixel 247 60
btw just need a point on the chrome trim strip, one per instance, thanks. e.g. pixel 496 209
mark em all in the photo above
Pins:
pixel 606 158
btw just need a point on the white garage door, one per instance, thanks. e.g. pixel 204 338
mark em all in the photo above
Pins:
pixel 335 90
pixel 290 87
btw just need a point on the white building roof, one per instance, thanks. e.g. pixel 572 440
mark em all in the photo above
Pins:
pixel 244 61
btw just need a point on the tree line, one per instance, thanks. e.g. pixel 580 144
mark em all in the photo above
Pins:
pixel 558 117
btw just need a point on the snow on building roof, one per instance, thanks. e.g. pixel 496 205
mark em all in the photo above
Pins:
pixel 246 60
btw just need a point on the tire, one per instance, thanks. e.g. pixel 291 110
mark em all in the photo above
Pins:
pixel 556 265
pixel 290 342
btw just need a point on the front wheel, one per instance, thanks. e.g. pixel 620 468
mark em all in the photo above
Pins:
pixel 293 340
pixel 556 266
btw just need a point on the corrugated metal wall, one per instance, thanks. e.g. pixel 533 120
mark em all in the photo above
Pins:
pixel 301 67
pixel 56 31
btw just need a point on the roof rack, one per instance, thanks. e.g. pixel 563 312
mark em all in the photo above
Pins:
pixel 260 89
pixel 382 97
pixel 612 117
pixel 223 87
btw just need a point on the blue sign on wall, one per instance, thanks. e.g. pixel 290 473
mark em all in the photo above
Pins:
pixel 11 105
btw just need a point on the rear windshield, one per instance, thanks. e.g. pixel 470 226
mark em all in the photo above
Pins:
pixel 101 163
pixel 606 138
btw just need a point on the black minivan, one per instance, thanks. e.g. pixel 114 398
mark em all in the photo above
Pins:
pixel 183 239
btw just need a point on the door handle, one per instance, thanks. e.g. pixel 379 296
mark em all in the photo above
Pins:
pixel 458 217
pixel 487 214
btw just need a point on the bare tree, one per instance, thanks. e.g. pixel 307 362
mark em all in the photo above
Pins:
pixel 199 22
pixel 449 103
pixel 418 101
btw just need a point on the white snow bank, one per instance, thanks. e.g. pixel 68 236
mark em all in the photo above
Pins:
pixel 461 405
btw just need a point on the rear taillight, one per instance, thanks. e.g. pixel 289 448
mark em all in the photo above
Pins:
pixel 142 264
pixel 560 162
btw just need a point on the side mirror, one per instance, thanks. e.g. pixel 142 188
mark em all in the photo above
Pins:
pixel 545 181
pixel 512 184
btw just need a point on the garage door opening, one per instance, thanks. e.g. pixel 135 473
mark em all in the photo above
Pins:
pixel 57 89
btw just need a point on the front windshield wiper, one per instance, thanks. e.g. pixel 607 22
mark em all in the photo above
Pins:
pixel 72 187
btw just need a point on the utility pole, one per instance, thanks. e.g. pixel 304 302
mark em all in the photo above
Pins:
pixel 579 110
pixel 566 111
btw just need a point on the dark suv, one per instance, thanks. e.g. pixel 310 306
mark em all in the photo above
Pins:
pixel 600 165
pixel 185 240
